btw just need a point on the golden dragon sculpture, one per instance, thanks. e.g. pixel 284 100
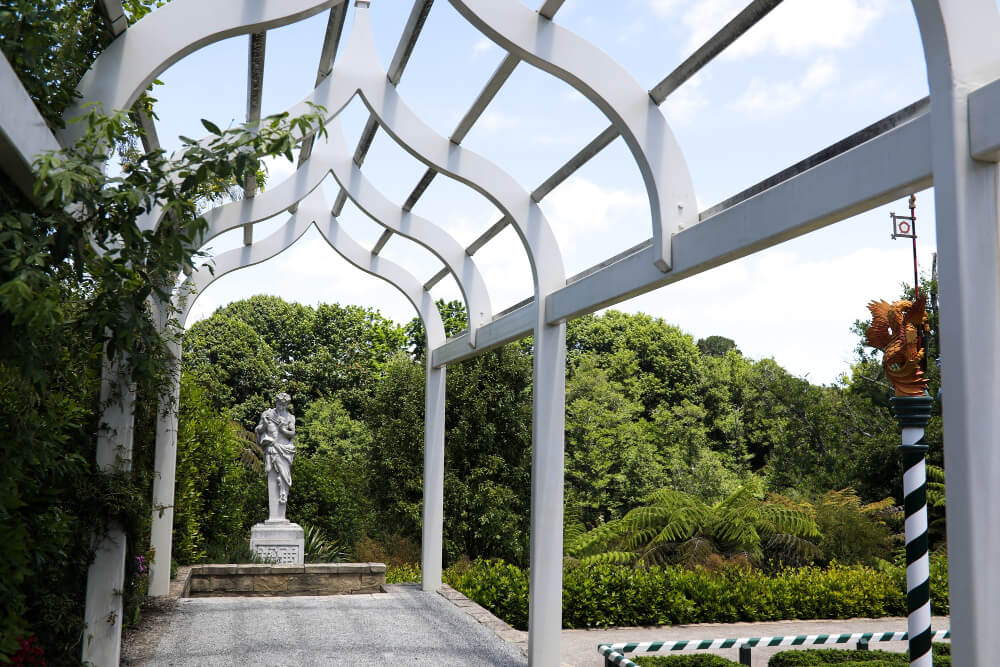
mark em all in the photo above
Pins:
pixel 895 329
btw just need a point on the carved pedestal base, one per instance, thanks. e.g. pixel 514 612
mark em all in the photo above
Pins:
pixel 281 542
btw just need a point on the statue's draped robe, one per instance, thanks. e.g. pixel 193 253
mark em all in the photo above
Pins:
pixel 278 450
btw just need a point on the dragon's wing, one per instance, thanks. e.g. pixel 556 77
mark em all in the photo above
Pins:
pixel 916 313
pixel 878 331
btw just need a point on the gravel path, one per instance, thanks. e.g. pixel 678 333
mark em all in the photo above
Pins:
pixel 403 627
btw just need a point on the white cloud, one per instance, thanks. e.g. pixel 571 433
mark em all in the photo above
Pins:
pixel 820 73
pixel 580 208
pixel 795 27
pixel 766 98
pixel 663 7
pixel 780 304
pixel 483 45
pixel 493 121
pixel 683 105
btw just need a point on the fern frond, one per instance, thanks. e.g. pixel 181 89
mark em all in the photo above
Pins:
pixel 647 517
pixel 598 539
pixel 610 558
pixel 695 551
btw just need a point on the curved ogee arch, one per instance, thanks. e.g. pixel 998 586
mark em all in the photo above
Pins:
pixel 407 224
pixel 359 72
pixel 334 157
pixel 130 63
pixel 621 98
pixel 313 210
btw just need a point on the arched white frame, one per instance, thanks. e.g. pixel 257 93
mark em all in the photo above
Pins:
pixel 956 146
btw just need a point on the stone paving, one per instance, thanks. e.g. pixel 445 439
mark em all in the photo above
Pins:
pixel 404 626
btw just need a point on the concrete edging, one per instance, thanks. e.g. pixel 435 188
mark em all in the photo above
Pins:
pixel 510 635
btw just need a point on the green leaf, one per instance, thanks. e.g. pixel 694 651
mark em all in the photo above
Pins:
pixel 211 127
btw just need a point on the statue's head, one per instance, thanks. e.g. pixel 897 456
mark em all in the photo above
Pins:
pixel 282 400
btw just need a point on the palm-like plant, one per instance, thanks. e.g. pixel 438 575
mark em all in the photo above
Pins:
pixel 676 527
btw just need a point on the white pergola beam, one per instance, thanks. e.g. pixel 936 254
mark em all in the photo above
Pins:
pixel 486 96
pixel 878 171
pixel 490 90
pixel 137 56
pixel 411 33
pixel 879 127
pixel 729 33
pixel 742 22
pixel 984 128
pixel 117 23
pixel 256 53
pixel 436 278
pixel 960 48
pixel 331 42
pixel 596 145
pixel 114 14
pixel 382 240
pixel 485 237
pixel 24 134
pixel 549 9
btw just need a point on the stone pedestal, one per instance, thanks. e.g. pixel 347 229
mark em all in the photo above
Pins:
pixel 280 542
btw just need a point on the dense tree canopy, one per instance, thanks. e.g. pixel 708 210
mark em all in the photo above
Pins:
pixel 646 408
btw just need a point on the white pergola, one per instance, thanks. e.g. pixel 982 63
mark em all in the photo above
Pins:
pixel 950 141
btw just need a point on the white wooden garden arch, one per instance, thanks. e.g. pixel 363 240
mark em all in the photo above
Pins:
pixel 951 142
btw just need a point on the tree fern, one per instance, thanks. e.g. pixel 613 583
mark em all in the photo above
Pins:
pixel 675 527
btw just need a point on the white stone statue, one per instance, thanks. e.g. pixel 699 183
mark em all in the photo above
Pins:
pixel 275 433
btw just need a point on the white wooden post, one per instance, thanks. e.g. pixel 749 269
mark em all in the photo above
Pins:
pixel 106 575
pixel 432 542
pixel 164 473
pixel 547 448
pixel 959 38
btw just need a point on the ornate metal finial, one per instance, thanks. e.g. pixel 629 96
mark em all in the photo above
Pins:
pixel 896 329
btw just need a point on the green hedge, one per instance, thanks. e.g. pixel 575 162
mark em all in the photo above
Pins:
pixel 402 574
pixel 851 658
pixel 833 656
pixel 614 595
pixel 693 660
pixel 500 587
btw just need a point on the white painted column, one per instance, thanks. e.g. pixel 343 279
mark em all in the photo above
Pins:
pixel 432 540
pixel 106 576
pixel 164 472
pixel 960 46
pixel 547 447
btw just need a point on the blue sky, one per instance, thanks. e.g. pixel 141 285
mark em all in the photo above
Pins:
pixel 807 75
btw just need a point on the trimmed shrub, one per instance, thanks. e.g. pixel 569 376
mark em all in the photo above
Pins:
pixel 692 660
pixel 833 656
pixel 852 658
pixel 402 574
pixel 615 595
pixel 500 587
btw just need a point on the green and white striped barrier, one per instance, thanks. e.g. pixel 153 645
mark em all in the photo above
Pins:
pixel 615 653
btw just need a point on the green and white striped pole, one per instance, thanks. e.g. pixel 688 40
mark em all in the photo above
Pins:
pixel 913 413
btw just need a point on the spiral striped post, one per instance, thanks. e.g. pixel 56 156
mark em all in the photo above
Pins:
pixel 913 413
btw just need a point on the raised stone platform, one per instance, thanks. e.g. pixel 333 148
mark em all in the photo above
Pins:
pixel 284 580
